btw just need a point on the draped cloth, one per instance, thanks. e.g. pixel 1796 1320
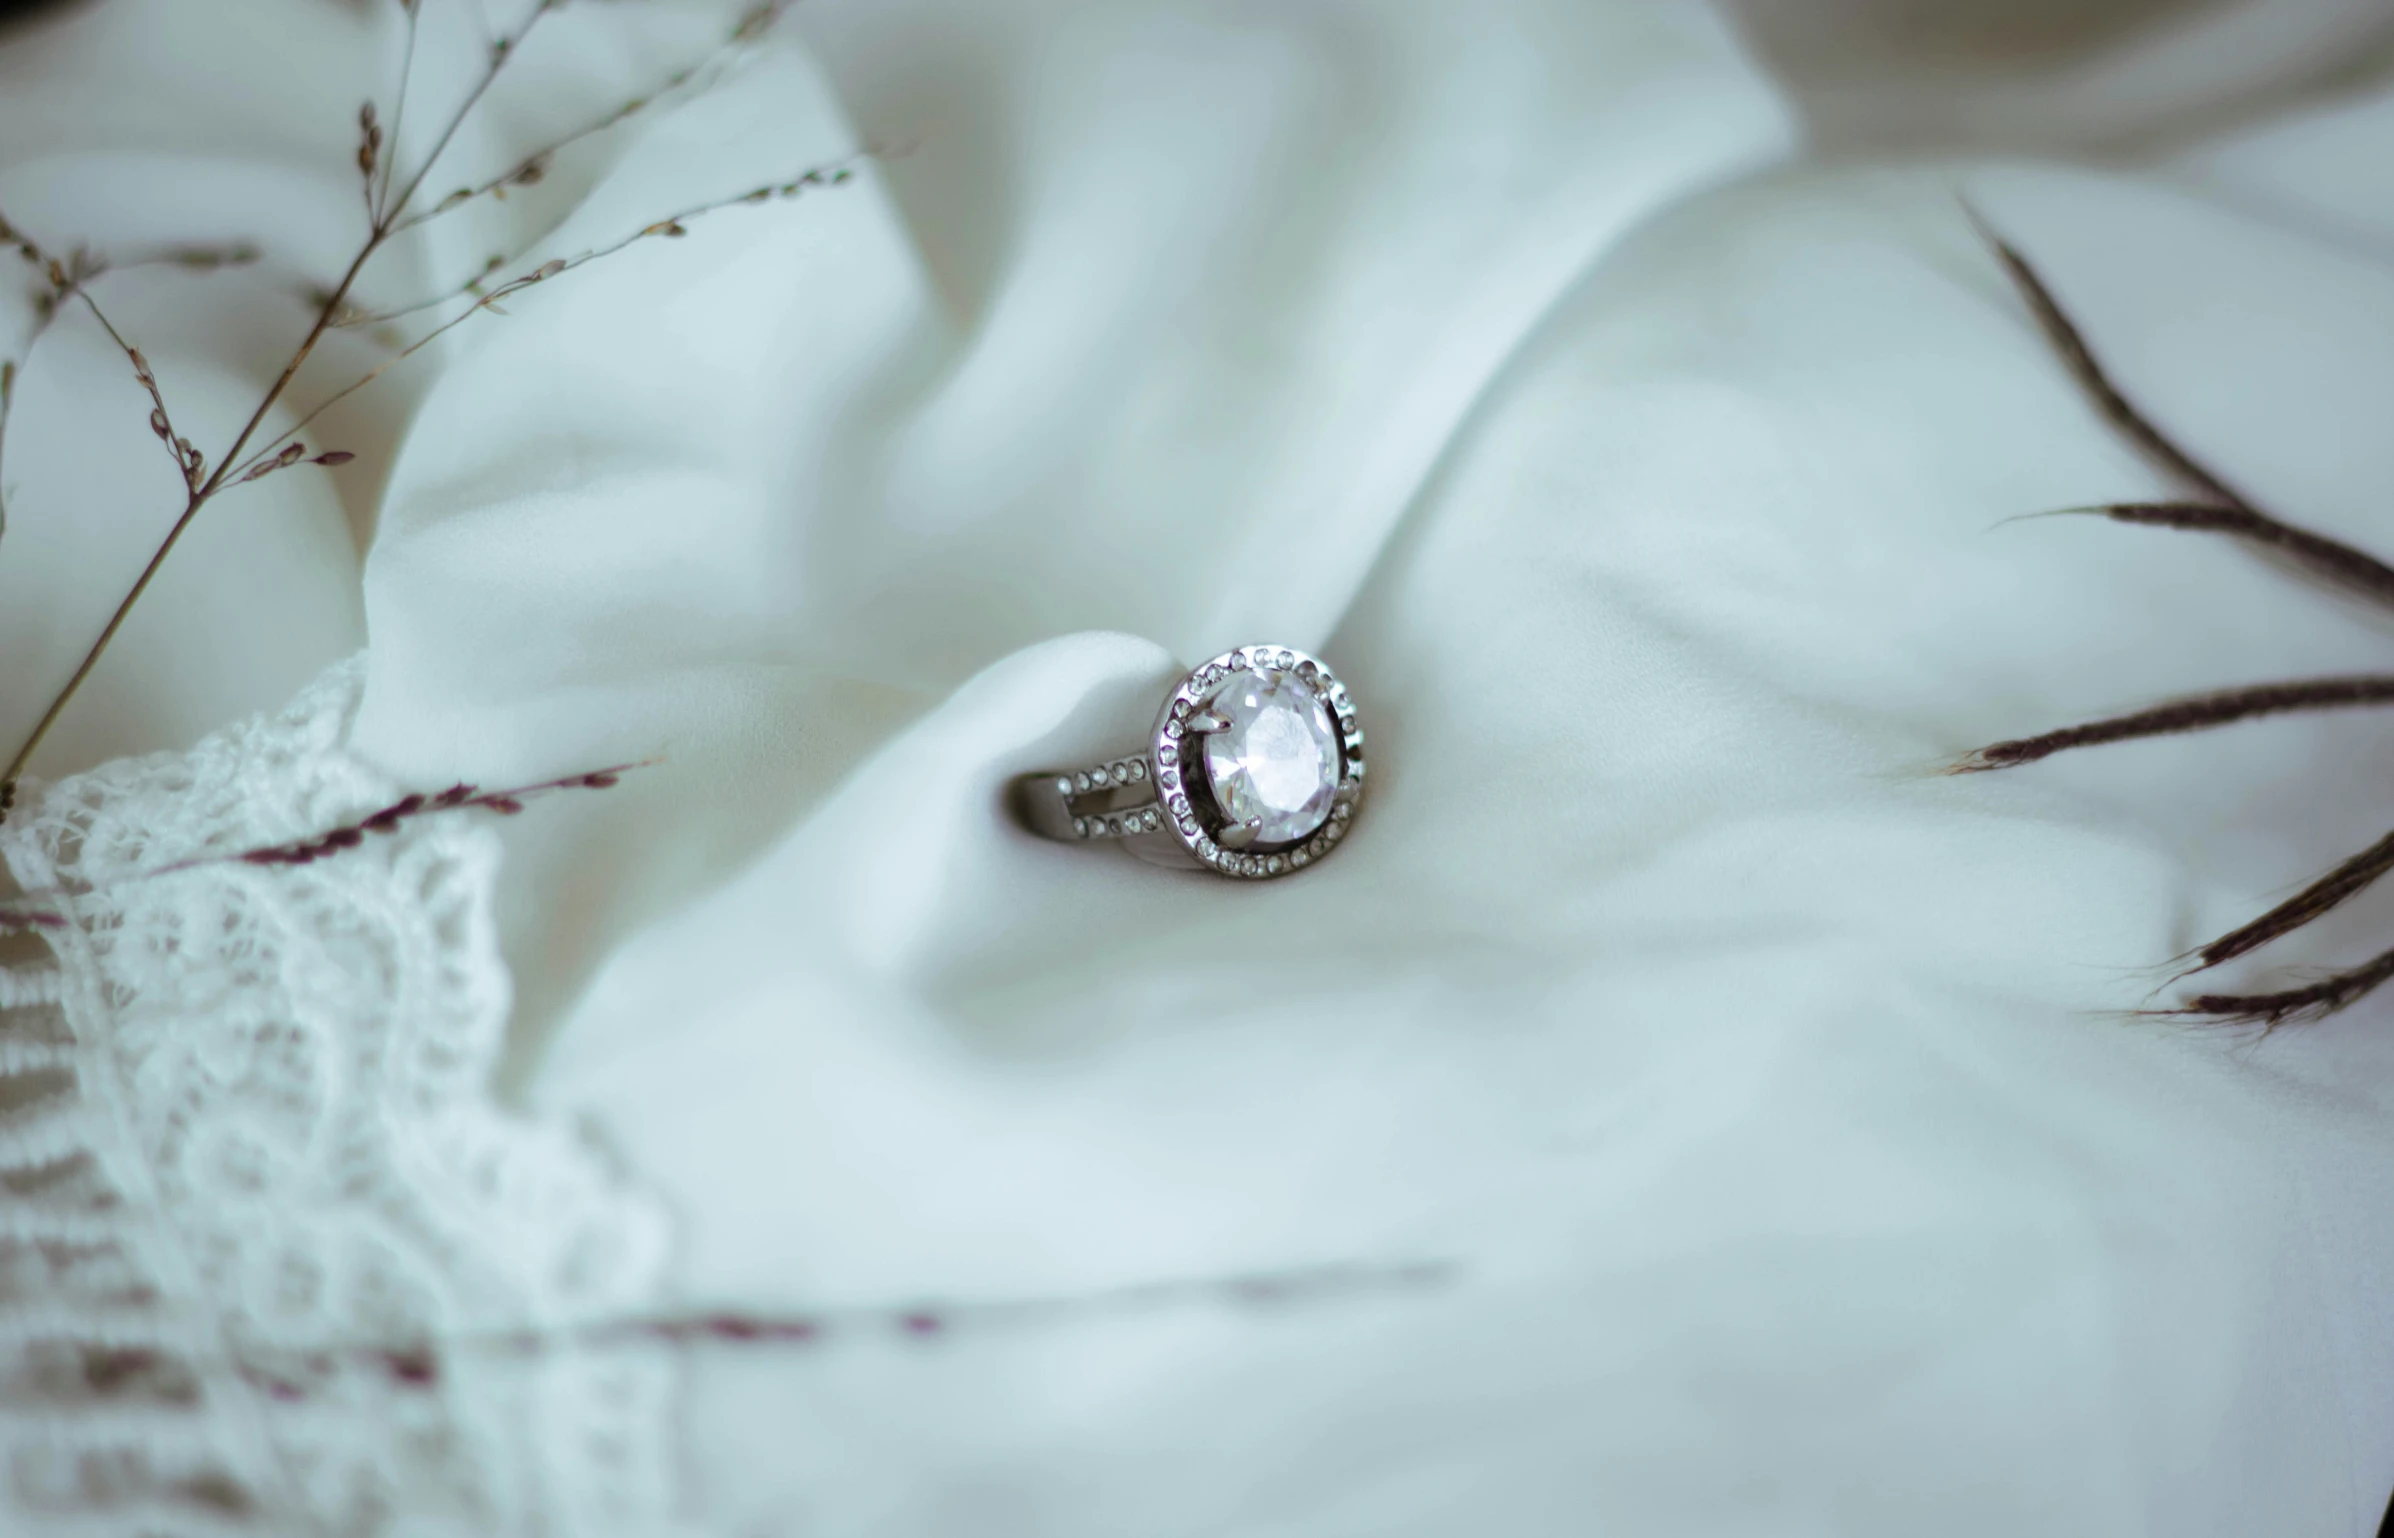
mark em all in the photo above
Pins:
pixel 1758 1118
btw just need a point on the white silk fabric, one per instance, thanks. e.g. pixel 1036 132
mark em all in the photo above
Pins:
pixel 1765 1100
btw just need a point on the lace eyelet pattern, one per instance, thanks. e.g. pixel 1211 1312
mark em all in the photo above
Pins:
pixel 270 1255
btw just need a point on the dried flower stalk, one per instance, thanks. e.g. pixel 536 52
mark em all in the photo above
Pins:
pixel 389 196
pixel 2220 509
pixel 297 1372
pixel 40 910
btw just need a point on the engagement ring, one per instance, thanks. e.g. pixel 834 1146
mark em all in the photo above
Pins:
pixel 1254 769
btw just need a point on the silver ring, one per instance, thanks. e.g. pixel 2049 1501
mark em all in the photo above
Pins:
pixel 1254 770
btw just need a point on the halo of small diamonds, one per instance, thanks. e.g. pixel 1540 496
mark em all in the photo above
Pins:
pixel 1185 788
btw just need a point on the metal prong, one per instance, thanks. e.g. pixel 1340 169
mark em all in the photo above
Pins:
pixel 1204 721
pixel 1239 834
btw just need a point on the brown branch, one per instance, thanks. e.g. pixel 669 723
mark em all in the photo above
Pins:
pixel 2355 570
pixel 407 70
pixel 24 910
pixel 297 1371
pixel 533 167
pixel 2289 1006
pixel 2071 343
pixel 2195 713
pixel 2347 880
pixel 334 306
pixel 672 226
pixel 377 233
pixel 69 280
pixel 2228 510
pixel 500 52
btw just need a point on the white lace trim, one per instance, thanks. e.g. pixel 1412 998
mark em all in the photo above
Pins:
pixel 246 1144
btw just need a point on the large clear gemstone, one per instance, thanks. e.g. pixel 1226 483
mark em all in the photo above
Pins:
pixel 1277 761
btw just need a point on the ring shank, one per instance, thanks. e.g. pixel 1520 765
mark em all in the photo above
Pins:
pixel 1114 802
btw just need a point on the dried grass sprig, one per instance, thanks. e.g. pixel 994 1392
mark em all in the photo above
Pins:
pixel 68 280
pixel 2192 714
pixel 26 910
pixel 2224 510
pixel 413 9
pixel 296 1373
pixel 389 193
pixel 672 226
pixel 690 80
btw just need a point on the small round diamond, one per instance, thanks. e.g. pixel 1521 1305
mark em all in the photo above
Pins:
pixel 1063 785
pixel 1081 781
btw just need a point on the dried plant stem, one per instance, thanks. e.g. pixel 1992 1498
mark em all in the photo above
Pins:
pixel 26 910
pixel 301 1370
pixel 70 280
pixel 2347 880
pixel 389 197
pixel 378 231
pixel 2071 343
pixel 2356 571
pixel 2287 1006
pixel 2228 512
pixel 531 168
pixel 832 174
pixel 2193 714
pixel 198 499
pixel 407 70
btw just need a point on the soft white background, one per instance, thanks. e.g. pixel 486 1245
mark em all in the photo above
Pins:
pixel 1622 404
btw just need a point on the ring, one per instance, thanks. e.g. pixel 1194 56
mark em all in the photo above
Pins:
pixel 1254 769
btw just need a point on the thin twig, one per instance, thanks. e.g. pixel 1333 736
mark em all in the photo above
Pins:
pixel 832 174
pixel 2228 512
pixel 2357 571
pixel 333 308
pixel 500 52
pixel 2347 880
pixel 28 910
pixel 2288 1006
pixel 2115 406
pixel 531 168
pixel 377 233
pixel 2195 713
pixel 407 70
pixel 300 1370
pixel 70 279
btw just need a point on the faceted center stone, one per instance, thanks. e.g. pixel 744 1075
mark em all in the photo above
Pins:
pixel 1277 761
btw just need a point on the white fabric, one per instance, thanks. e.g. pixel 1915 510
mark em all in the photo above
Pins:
pixel 253 1167
pixel 1640 476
